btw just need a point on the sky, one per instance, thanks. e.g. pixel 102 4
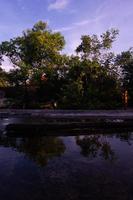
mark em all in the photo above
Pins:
pixel 73 18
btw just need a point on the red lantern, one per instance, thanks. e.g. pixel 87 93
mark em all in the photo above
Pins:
pixel 43 77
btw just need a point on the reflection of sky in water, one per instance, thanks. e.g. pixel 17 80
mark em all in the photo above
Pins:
pixel 83 167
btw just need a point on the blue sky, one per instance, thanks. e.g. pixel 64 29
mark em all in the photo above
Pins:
pixel 72 18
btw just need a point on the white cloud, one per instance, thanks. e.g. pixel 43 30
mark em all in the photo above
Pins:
pixel 79 24
pixel 82 23
pixel 89 21
pixel 58 5
pixel 114 13
pixel 64 29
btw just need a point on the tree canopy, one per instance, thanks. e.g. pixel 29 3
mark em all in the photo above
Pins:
pixel 92 78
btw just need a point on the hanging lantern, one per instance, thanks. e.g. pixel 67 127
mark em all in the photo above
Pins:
pixel 43 77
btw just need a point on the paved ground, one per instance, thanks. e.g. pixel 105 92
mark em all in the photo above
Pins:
pixel 64 119
pixel 5 113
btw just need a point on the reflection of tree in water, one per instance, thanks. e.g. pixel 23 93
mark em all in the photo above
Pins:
pixel 127 137
pixel 95 145
pixel 38 149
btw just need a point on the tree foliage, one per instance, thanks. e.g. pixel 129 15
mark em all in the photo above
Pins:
pixel 125 62
pixel 3 78
pixel 92 75
pixel 91 79
pixel 37 48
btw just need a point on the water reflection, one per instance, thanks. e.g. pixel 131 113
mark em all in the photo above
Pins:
pixel 72 176
pixel 127 137
pixel 98 145
pixel 95 145
pixel 41 149
pixel 38 149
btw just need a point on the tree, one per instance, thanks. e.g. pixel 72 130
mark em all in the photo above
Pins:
pixel 92 75
pixel 36 52
pixel 3 78
pixel 125 62
pixel 87 80
pixel 36 48
pixel 94 48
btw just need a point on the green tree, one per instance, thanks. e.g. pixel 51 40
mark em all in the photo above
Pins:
pixel 3 78
pixel 36 48
pixel 95 48
pixel 37 51
pixel 124 62
pixel 92 75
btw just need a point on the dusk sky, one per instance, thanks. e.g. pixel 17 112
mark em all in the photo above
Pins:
pixel 72 18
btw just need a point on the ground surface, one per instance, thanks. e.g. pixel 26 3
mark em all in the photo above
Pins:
pixel 29 121
pixel 67 113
